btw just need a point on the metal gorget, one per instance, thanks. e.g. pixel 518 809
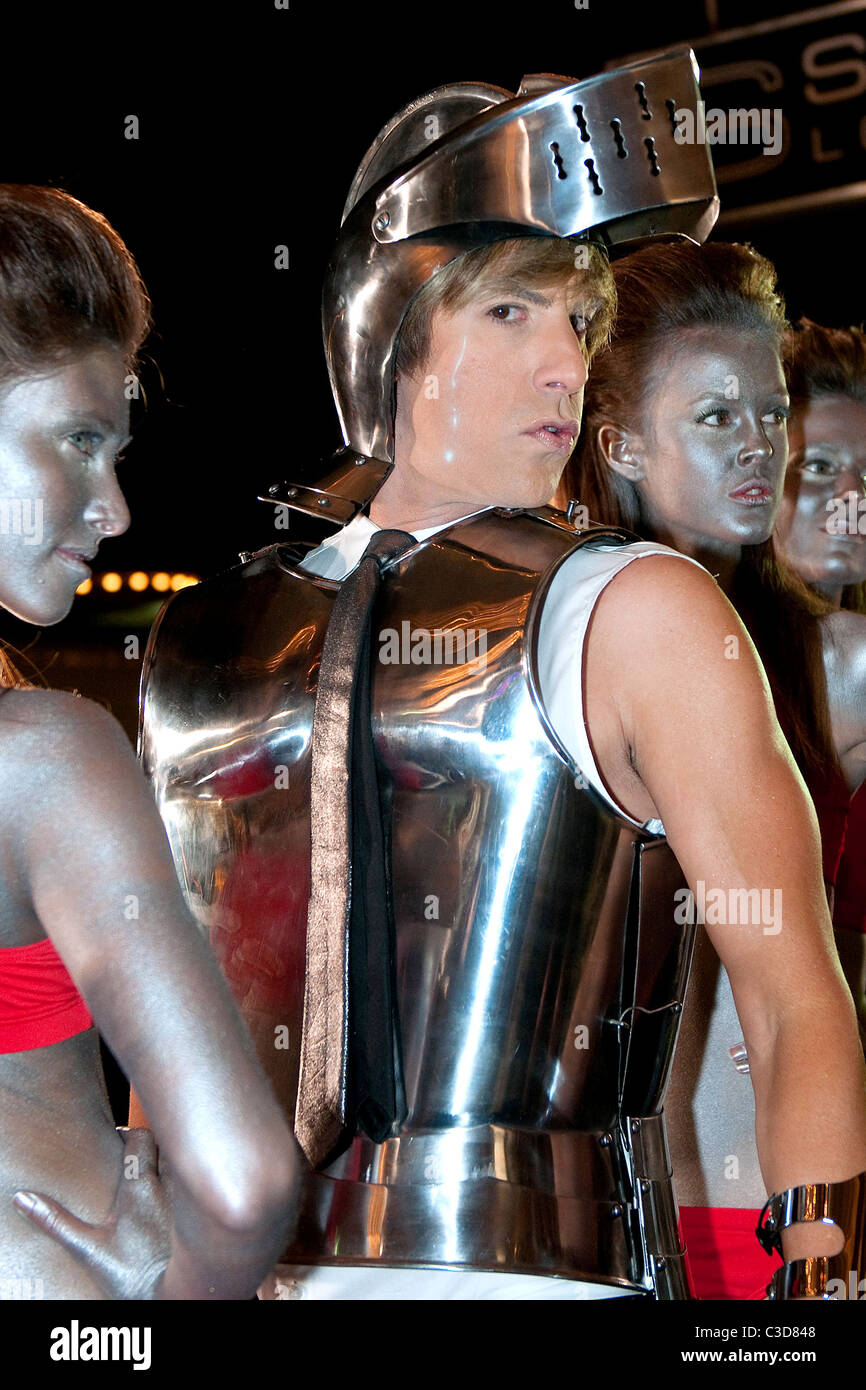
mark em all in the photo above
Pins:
pixel 539 970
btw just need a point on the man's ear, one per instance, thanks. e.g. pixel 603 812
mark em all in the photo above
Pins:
pixel 622 451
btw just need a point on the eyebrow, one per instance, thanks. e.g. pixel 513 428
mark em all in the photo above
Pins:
pixel 589 304
pixel 782 396
pixel 507 286
pixel 84 417
pixel 832 449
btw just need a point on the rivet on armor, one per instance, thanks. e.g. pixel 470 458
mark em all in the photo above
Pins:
pixel 604 1141
pixel 635 1126
pixel 324 501
pixel 616 1211
pixel 382 221
pixel 292 492
pixel 272 491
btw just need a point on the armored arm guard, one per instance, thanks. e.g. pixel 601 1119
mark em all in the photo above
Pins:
pixel 818 1276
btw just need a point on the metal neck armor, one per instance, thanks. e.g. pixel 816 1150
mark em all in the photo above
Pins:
pixel 469 164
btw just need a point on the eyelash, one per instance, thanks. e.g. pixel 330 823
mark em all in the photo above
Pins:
pixel 781 411
pixel 85 434
pixel 494 313
pixel 827 469
pixel 581 332
pixel 96 439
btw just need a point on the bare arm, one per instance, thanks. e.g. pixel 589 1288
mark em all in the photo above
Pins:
pixel 94 854
pixel 699 745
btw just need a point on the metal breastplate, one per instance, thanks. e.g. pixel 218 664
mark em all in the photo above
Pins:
pixel 540 971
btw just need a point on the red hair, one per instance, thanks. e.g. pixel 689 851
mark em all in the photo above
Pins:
pixel 822 361
pixel 662 291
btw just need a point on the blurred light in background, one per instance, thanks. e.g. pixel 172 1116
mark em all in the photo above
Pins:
pixel 139 581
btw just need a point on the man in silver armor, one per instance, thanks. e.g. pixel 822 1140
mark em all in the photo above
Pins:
pixel 458 944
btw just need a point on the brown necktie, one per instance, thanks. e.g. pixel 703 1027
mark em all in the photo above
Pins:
pixel 343 795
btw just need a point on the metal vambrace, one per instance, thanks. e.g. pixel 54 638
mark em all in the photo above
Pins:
pixel 818 1276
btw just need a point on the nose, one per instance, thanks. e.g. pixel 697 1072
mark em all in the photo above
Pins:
pixel 562 369
pixel 106 511
pixel 852 479
pixel 757 445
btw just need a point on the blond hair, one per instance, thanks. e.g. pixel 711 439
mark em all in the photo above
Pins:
pixel 526 261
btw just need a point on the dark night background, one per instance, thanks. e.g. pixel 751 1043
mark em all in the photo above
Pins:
pixel 249 136
pixel 252 121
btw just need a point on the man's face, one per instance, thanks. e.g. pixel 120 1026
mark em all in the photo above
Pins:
pixel 828 465
pixel 492 417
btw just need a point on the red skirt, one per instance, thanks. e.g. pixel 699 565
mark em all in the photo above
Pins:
pixel 723 1253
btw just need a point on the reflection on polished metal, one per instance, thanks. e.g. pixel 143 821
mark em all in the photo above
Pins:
pixel 340 496
pixel 468 164
pixel 839 1203
pixel 540 972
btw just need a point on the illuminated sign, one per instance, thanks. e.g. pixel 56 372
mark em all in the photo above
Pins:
pixel 803 77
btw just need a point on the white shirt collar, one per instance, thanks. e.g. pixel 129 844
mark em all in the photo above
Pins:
pixel 339 554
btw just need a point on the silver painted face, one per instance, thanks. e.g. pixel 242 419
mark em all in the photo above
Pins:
pixel 467 165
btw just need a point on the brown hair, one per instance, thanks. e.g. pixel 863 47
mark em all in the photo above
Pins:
pixel 822 361
pixel 67 282
pixel 68 285
pixel 527 261
pixel 663 290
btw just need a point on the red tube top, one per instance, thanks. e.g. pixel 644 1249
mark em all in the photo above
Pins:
pixel 39 1004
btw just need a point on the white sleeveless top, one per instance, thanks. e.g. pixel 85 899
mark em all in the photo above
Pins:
pixel 568 607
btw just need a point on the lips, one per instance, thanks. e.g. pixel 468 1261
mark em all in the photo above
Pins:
pixel 554 434
pixel 756 492
pixel 78 558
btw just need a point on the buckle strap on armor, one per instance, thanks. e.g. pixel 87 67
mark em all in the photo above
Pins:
pixel 838 1203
